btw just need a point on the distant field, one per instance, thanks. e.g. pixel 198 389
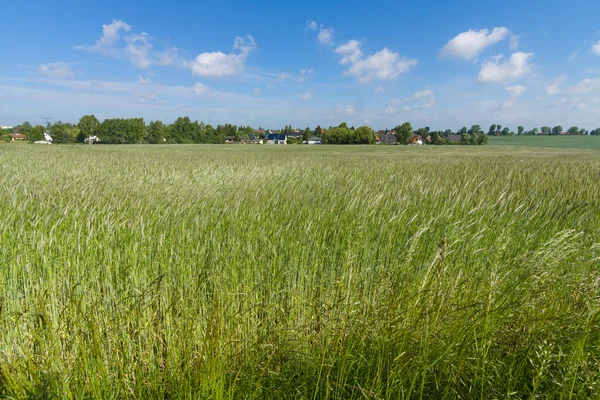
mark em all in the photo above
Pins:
pixel 557 142
pixel 299 272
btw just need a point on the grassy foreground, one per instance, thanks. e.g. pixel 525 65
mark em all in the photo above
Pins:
pixel 366 272
pixel 556 142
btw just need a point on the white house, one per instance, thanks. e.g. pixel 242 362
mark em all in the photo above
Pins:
pixel 47 139
pixel 315 140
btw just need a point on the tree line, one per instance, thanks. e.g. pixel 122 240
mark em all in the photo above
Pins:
pixel 184 130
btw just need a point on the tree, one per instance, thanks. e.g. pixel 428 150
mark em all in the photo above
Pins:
pixel 505 132
pixel 403 133
pixel 88 125
pixel 448 132
pixel 36 133
pixel 573 130
pixel 520 130
pixel 475 130
pixel 306 134
pixel 498 129
pixel 546 130
pixel 462 131
pixel 156 132
pixel 465 139
pixel 557 130
pixel 482 139
pixel 492 130
pixel 61 133
pixel 319 131
pixel 364 135
pixel 24 128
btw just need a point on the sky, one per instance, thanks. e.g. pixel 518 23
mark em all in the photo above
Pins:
pixel 274 63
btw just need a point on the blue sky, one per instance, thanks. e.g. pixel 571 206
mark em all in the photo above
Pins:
pixel 272 63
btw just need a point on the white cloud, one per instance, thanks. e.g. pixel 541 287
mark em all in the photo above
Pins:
pixel 218 64
pixel 515 92
pixel 256 91
pixel 345 110
pixel 350 52
pixel 310 26
pixel 391 111
pixel 200 89
pixel 573 55
pixel 168 57
pixel 514 42
pixel 143 81
pixel 495 71
pixel 426 96
pixel 585 86
pixel 326 35
pixel 554 86
pixel 111 34
pixel 384 65
pixel 596 48
pixel 378 89
pixel 137 50
pixel 470 44
pixel 148 98
pixel 306 96
pixel 304 74
pixel 57 70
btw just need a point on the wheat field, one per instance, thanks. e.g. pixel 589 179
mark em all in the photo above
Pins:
pixel 304 272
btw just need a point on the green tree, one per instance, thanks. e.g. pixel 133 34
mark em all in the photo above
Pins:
pixel 505 132
pixel 61 133
pixel 364 135
pixel 88 126
pixel 24 128
pixel 557 130
pixel 403 133
pixel 520 130
pixel 36 133
pixel 492 130
pixel 482 139
pixel 319 131
pixel 462 131
pixel 156 132
pixel 573 130
pixel 546 130
pixel 465 139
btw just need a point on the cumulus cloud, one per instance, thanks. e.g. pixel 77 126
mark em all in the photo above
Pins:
pixel 384 65
pixel 555 86
pixel 596 48
pixel 57 70
pixel 350 52
pixel 306 96
pixel 470 44
pixel 585 86
pixel 310 26
pixel 516 66
pixel 515 92
pixel 200 89
pixel 135 48
pixel 218 64
pixel 326 35
pixel 391 111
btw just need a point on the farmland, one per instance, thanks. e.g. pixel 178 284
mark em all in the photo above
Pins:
pixel 372 272
pixel 557 142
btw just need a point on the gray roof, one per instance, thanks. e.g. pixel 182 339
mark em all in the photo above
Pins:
pixel 315 138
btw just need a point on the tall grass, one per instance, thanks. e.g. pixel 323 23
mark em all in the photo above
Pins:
pixel 312 273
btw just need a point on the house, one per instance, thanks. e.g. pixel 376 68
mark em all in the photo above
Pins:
pixel 454 138
pixel 17 137
pixel 294 135
pixel 252 141
pixel 229 139
pixel 388 137
pixel 315 140
pixel 415 140
pixel 92 139
pixel 564 133
pixel 276 138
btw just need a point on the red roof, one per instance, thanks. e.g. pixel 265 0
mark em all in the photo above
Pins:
pixel 17 136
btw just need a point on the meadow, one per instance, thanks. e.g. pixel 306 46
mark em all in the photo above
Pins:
pixel 557 142
pixel 304 272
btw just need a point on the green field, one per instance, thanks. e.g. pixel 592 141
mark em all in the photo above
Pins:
pixel 301 272
pixel 557 142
